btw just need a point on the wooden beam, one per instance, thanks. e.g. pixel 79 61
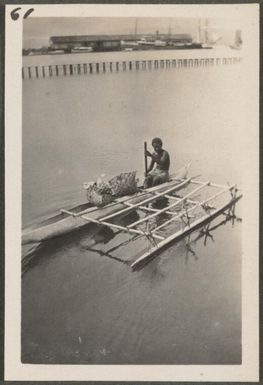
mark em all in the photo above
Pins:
pixel 170 197
pixel 144 208
pixel 148 200
pixel 194 181
pixel 168 207
pixel 182 233
pixel 125 200
pixel 177 198
pixel 68 212
pixel 123 228
pixel 193 208
pixel 154 210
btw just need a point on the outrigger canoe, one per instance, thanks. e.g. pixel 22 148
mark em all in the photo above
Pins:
pixel 72 219
pixel 185 211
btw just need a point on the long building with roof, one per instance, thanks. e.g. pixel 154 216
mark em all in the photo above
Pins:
pixel 111 42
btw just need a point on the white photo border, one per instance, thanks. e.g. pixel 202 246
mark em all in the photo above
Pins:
pixel 14 369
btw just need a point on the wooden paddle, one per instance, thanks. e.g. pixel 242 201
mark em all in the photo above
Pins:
pixel 145 159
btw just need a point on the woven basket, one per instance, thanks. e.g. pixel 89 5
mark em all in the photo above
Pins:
pixel 97 197
pixel 124 184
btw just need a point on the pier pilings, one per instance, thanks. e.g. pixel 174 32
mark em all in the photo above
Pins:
pixel 58 70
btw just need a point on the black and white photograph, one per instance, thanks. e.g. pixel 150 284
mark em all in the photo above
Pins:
pixel 136 147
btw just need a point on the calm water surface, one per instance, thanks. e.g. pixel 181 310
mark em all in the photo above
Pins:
pixel 81 306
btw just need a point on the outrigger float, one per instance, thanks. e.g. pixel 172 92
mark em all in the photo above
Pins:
pixel 185 210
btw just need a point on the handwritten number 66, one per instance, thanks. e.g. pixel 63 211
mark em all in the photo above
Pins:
pixel 15 15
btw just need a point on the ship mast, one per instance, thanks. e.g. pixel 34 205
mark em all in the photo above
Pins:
pixel 206 31
pixel 199 32
pixel 136 27
pixel 169 29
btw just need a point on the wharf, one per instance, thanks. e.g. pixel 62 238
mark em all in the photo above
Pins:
pixel 89 63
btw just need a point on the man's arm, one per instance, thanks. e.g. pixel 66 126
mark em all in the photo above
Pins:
pixel 151 166
pixel 161 160
pixel 147 153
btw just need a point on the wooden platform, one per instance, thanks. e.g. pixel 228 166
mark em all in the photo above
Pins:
pixel 187 208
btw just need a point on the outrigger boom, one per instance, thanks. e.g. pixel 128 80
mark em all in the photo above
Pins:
pixel 148 200
pixel 153 235
pixel 160 226
pixel 132 207
pixel 182 233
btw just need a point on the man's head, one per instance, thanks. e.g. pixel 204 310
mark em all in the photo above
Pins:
pixel 157 144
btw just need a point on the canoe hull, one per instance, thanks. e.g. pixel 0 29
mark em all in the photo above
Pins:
pixel 53 230
pixel 63 223
pixel 68 223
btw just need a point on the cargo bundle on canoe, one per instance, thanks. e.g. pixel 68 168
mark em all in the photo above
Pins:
pixel 189 204
pixel 101 193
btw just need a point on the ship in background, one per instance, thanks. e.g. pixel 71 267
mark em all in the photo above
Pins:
pixel 209 38
pixel 238 40
pixel 206 38
pixel 161 41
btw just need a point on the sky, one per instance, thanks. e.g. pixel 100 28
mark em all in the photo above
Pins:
pixel 37 31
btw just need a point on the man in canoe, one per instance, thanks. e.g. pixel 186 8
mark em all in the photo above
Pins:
pixel 161 158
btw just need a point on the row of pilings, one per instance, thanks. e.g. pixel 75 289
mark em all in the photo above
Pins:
pixel 43 71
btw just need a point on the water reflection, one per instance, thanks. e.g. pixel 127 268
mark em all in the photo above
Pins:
pixel 189 242
pixel 206 233
pixel 108 253
pixel 85 238
pixel 47 250
pixel 189 251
